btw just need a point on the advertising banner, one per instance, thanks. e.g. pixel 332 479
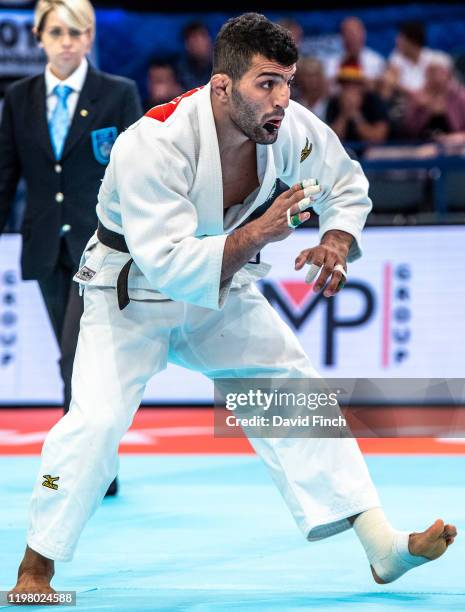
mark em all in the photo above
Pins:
pixel 19 53
pixel 400 315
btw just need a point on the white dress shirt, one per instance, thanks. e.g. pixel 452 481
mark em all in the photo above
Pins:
pixel 371 62
pixel 75 81
pixel 412 75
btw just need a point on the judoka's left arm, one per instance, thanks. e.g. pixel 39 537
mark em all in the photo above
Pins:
pixel 342 209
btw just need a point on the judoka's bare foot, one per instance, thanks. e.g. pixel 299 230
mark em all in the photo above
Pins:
pixel 431 543
pixel 34 574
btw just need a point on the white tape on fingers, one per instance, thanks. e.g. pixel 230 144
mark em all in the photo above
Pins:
pixel 340 268
pixel 322 192
pixel 312 273
pixel 304 204
pixel 288 215
pixel 292 220
pixel 312 190
pixel 309 182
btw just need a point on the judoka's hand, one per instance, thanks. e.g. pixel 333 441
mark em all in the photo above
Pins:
pixel 273 224
pixel 332 250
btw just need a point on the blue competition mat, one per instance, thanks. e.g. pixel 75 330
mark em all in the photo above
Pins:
pixel 211 533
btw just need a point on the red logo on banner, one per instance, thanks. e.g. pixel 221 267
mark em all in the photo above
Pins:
pixel 298 291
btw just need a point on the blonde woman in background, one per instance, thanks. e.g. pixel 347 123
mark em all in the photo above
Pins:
pixel 57 131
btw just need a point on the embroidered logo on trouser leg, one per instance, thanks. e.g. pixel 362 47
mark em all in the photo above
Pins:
pixel 49 481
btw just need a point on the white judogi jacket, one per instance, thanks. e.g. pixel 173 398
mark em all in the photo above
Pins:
pixel 163 190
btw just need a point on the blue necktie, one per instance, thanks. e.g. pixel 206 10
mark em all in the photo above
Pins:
pixel 59 121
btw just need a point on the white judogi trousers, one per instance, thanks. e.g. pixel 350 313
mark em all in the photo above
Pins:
pixel 323 481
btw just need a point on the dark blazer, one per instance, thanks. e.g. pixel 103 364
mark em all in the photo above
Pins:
pixel 60 194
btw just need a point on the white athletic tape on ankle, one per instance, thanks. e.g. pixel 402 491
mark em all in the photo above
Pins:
pixel 386 548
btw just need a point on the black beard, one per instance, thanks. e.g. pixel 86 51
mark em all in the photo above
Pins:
pixel 244 116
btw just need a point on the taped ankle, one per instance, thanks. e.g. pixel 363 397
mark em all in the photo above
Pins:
pixel 386 548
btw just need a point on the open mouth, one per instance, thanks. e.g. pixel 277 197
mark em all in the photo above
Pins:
pixel 272 125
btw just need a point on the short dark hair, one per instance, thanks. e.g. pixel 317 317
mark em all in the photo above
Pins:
pixel 193 27
pixel 161 62
pixel 414 31
pixel 251 34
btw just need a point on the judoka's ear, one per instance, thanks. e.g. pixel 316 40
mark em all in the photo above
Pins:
pixel 221 85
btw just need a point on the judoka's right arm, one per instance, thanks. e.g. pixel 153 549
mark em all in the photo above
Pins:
pixel 244 243
pixel 151 178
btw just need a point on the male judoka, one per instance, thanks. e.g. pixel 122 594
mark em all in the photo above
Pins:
pixel 167 278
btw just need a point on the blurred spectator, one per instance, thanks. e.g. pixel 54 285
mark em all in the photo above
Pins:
pixel 439 107
pixel 354 51
pixel 162 85
pixel 410 57
pixel 459 65
pixel 313 86
pixel 355 113
pixel 395 101
pixel 294 28
pixel 195 67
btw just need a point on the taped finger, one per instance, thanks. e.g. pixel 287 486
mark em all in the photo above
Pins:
pixel 304 204
pixel 335 284
pixel 340 268
pixel 322 192
pixel 312 273
pixel 292 221
pixel 312 190
pixel 310 182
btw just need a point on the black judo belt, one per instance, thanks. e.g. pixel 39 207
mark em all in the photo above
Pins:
pixel 118 243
